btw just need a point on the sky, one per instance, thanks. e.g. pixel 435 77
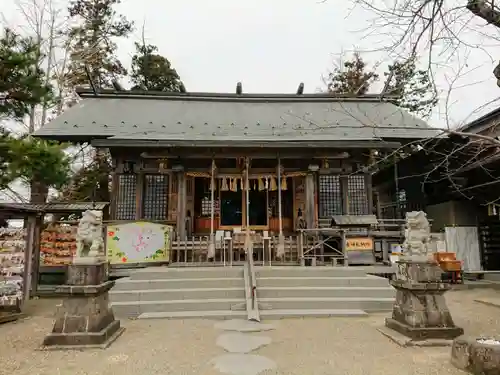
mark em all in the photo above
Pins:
pixel 273 45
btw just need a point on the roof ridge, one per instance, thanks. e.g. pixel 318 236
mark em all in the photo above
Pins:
pixel 142 94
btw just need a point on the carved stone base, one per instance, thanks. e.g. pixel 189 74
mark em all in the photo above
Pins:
pixel 478 358
pixel 85 319
pixel 420 311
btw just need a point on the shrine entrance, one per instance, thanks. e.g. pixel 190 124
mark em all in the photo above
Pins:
pixel 258 211
pixel 231 208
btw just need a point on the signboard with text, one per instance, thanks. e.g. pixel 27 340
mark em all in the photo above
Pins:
pixel 359 244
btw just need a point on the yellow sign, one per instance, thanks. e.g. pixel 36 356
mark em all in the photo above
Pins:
pixel 359 244
pixel 138 242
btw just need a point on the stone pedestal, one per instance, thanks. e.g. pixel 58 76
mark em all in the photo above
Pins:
pixel 477 356
pixel 85 319
pixel 420 313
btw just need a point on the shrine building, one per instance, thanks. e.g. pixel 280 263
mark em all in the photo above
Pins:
pixel 211 164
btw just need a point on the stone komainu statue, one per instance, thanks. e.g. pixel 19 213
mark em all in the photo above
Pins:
pixel 417 233
pixel 89 236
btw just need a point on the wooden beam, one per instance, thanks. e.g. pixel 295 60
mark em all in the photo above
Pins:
pixel 136 143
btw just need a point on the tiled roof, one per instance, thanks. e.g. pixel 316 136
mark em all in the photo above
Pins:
pixel 53 207
pixel 229 117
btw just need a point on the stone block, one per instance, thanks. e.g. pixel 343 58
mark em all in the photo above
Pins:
pixel 422 271
pixel 87 274
pixel 84 319
pixel 420 311
pixel 424 332
pixel 477 356
pixel 82 340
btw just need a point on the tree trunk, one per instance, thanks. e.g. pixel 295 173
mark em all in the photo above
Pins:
pixel 39 192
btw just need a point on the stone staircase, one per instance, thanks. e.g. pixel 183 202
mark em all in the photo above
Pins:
pixel 165 292
pixel 218 292
pixel 321 291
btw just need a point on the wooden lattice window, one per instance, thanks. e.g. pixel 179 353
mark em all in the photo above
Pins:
pixel 155 197
pixel 330 196
pixel 126 203
pixel 357 197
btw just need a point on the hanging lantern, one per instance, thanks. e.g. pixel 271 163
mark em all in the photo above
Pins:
pixel 234 184
pixel 283 184
pixel 261 184
pixel 273 186
pixel 254 184
pixel 224 186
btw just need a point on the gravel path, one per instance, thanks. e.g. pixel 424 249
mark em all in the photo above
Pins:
pixel 349 346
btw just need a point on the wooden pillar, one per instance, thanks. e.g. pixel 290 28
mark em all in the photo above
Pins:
pixel 310 206
pixel 281 240
pixel 369 193
pixel 344 189
pixel 34 273
pixel 181 206
pixel 211 245
pixel 28 256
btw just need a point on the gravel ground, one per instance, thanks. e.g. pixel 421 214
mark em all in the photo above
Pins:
pixel 349 346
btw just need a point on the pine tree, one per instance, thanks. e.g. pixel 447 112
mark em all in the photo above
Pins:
pixel 91 44
pixel 22 83
pixel 352 78
pixel 151 71
pixel 411 88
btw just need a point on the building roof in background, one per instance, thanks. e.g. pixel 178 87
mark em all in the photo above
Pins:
pixel 482 123
pixel 225 118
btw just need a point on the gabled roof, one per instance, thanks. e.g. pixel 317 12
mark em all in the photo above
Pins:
pixel 482 123
pixel 226 118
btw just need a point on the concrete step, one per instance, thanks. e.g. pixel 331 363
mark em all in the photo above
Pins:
pixel 130 284
pixel 218 314
pixel 135 308
pixel 369 304
pixel 156 273
pixel 175 294
pixel 310 271
pixel 310 313
pixel 362 281
pixel 264 314
pixel 321 292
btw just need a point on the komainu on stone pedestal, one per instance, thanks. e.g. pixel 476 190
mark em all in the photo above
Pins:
pixel 420 312
pixel 89 238
pixel 85 319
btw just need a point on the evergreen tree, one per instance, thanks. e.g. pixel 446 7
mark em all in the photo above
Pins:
pixel 412 88
pixel 151 71
pixel 409 87
pixel 91 44
pixel 352 78
pixel 22 83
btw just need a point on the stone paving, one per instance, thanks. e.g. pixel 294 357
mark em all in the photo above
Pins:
pixel 340 346
pixel 238 344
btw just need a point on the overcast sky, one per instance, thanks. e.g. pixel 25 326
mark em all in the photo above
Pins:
pixel 273 45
